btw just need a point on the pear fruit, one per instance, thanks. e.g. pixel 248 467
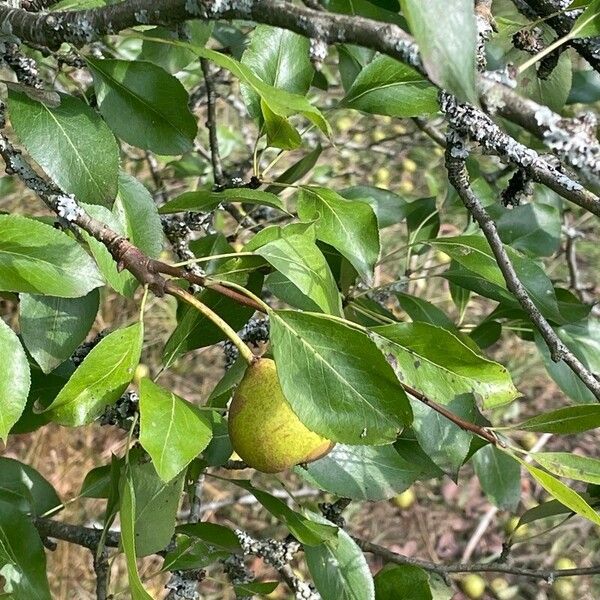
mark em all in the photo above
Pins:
pixel 264 430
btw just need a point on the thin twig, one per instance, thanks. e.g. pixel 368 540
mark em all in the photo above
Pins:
pixel 211 124
pixel 459 178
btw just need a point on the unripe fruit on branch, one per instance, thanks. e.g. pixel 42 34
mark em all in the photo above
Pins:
pixel 264 430
pixel 405 500
pixel 473 586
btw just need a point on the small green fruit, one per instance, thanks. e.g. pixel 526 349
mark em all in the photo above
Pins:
pixel 517 534
pixel 405 500
pixel 473 586
pixel 264 430
pixel 565 563
pixel 141 371
pixel 529 440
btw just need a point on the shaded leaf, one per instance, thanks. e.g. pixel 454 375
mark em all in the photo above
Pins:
pixel 499 475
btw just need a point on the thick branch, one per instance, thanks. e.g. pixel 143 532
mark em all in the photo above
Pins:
pixel 459 178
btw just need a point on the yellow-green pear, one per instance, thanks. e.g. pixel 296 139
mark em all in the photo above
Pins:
pixel 264 430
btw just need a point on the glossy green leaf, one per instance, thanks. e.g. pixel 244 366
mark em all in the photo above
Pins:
pixel 214 534
pixel 402 582
pixel 280 101
pixel 36 258
pixel 255 588
pixel 280 132
pixel 419 309
pixel 445 443
pixel 351 61
pixel 583 339
pixel 156 504
pixel 128 537
pixel 207 200
pixel 499 475
pixel 563 493
pixel 22 556
pixel 369 473
pixel 447 42
pixel 474 253
pixel 14 379
pixel 53 327
pixel 304 529
pixel 388 87
pixel 280 58
pixel 588 23
pixel 440 365
pixel 339 568
pixel 101 378
pixel 336 380
pixel 530 228
pixel 71 143
pixel 172 430
pixel 297 257
pixel 572 466
pixel 25 489
pixel 389 208
pixel 564 421
pixel 347 225
pixel 144 105
pixel 296 171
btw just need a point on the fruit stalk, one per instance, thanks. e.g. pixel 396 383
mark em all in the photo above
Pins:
pixel 237 341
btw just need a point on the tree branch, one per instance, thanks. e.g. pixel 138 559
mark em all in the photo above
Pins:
pixel 400 559
pixel 81 27
pixel 211 124
pixel 459 178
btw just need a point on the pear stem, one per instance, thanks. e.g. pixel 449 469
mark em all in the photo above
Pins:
pixel 237 341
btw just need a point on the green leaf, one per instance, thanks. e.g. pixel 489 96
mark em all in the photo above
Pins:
pixel 572 466
pixel 297 257
pixel 207 200
pixel 389 208
pixel 336 380
pixel 499 475
pixel 36 258
pixel 564 421
pixel 440 365
pixel 563 493
pixel 447 42
pixel 53 327
pixel 281 59
pixel 583 339
pixel 156 504
pixel 255 588
pixel 25 489
pixel 402 582
pixel 296 171
pixel 339 568
pixel 529 228
pixel 101 378
pixel 347 225
pixel 22 556
pixel 280 132
pixel 446 444
pixel 71 143
pixel 15 379
pixel 172 430
pixel 144 105
pixel 369 473
pixel 281 102
pixel 388 87
pixel 305 530
pixel 588 23
pixel 422 310
pixel 474 253
pixel 214 534
pixel 128 537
